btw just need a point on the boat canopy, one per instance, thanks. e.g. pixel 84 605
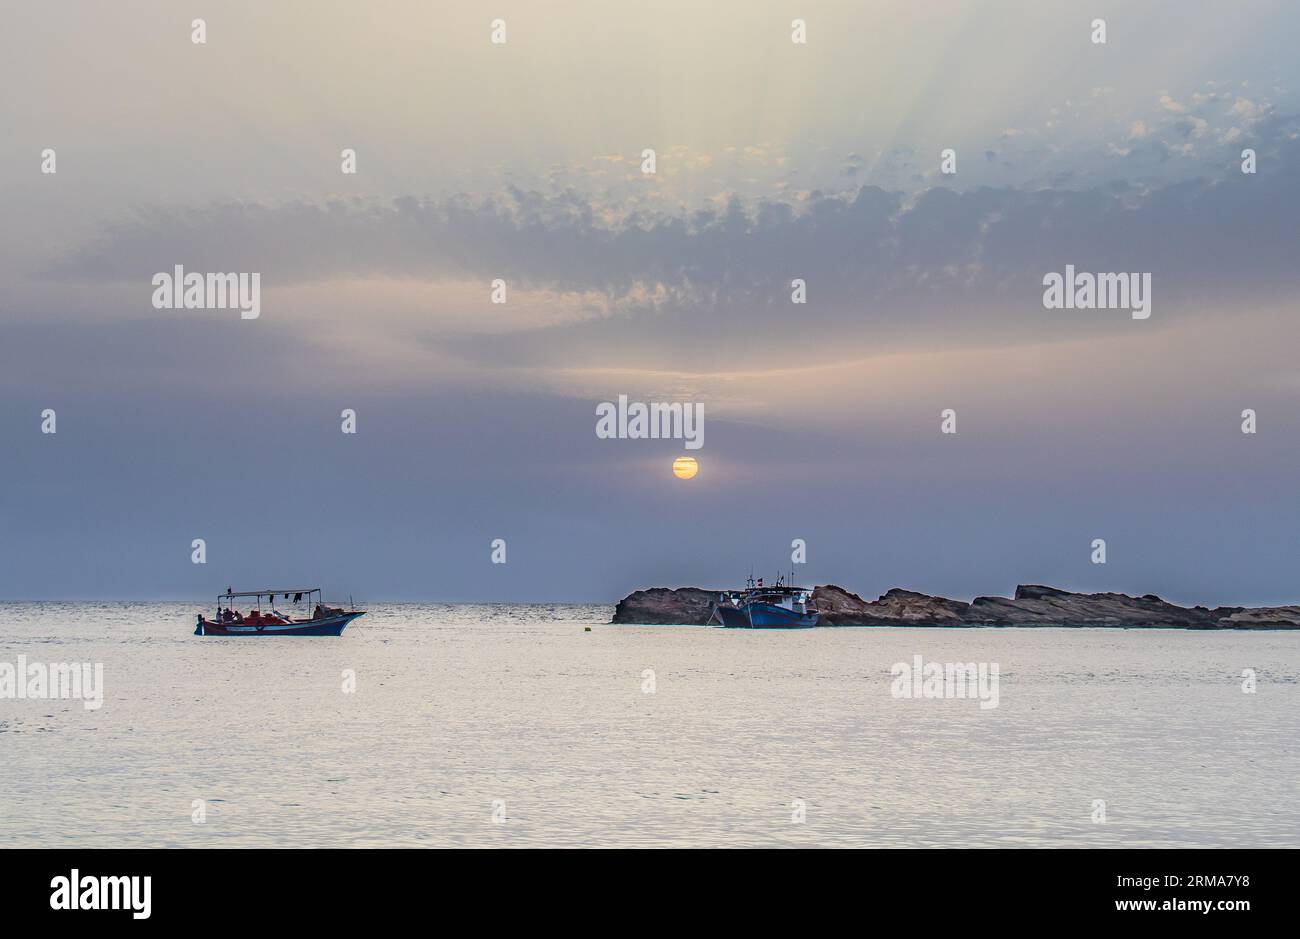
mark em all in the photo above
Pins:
pixel 294 593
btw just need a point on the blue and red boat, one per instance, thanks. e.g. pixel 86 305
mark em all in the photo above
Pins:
pixel 781 606
pixel 265 620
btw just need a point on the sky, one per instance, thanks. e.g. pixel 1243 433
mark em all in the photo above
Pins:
pixel 522 162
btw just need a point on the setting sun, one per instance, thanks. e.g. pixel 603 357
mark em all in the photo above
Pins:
pixel 685 467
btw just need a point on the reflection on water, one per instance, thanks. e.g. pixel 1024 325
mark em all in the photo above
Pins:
pixel 458 708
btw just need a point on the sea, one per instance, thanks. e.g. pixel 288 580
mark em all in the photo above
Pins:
pixel 545 725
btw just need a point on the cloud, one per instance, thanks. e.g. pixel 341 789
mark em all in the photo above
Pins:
pixel 1169 104
pixel 705 288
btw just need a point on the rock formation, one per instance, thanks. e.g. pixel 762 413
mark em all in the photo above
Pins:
pixel 1046 606
pixel 895 608
pixel 1032 605
pixel 686 606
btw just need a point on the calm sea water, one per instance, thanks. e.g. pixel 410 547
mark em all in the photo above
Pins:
pixel 460 710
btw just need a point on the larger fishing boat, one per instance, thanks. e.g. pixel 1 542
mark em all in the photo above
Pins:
pixel 264 619
pixel 780 606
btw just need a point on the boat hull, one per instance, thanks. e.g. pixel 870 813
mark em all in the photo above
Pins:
pixel 761 616
pixel 326 626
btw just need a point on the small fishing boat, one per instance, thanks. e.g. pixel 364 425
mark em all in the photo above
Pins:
pixel 781 606
pixel 266 620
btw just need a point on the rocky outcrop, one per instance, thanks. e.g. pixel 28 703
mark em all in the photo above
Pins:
pixel 686 606
pixel 895 608
pixel 837 605
pixel 1032 605
pixel 1264 617
pixel 1035 605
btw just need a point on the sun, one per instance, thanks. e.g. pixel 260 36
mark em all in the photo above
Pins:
pixel 685 467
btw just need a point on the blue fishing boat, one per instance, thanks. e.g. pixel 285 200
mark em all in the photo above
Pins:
pixel 266 620
pixel 780 606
